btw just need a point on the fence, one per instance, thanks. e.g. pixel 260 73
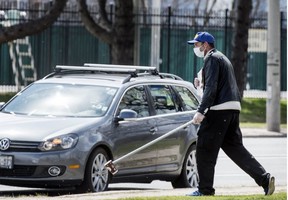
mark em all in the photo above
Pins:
pixel 67 42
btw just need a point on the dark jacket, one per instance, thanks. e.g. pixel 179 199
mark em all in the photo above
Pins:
pixel 219 81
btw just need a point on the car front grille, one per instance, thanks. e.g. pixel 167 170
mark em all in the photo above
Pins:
pixel 23 146
pixel 18 171
pixel 29 171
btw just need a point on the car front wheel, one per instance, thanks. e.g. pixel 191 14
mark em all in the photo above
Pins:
pixel 189 176
pixel 97 177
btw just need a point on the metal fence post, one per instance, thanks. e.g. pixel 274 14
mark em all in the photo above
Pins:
pixel 111 19
pixel 225 32
pixel 169 33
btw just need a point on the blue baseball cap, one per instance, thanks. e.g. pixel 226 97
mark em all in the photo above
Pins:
pixel 202 37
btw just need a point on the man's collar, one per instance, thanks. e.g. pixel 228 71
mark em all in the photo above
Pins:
pixel 209 53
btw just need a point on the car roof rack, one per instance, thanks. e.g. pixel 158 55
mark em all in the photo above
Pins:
pixel 112 66
pixel 148 69
pixel 133 71
pixel 168 75
pixel 60 68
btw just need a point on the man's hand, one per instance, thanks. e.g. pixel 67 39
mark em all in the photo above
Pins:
pixel 198 118
pixel 196 82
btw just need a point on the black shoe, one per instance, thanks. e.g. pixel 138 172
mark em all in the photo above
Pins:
pixel 271 186
pixel 195 193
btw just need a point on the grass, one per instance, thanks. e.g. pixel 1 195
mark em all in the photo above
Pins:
pixel 254 110
pixel 5 97
pixel 276 196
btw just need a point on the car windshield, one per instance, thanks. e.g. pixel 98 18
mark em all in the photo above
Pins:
pixel 62 100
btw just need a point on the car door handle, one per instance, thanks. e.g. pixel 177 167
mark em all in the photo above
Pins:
pixel 153 130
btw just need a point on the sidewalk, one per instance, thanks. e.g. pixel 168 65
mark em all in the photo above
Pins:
pixel 262 132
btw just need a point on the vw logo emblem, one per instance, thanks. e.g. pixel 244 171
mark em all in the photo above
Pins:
pixel 4 144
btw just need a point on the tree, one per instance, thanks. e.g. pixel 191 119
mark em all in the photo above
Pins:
pixel 240 42
pixel 119 34
pixel 33 26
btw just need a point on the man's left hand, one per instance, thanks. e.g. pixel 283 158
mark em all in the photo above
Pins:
pixel 198 118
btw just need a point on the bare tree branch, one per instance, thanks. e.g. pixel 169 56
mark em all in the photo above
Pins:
pixel 256 8
pixel 104 22
pixel 206 6
pixel 143 4
pixel 208 14
pixel 101 30
pixel 33 26
pixel 197 7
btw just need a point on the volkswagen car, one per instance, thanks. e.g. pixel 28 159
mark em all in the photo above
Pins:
pixel 61 130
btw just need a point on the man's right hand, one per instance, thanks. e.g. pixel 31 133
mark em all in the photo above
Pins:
pixel 196 82
pixel 198 118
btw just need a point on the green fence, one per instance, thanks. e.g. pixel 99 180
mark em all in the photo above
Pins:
pixel 69 43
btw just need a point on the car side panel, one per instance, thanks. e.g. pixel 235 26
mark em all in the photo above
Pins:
pixel 130 135
pixel 171 150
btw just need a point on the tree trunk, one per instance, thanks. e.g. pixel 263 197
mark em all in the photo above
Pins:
pixel 119 34
pixel 240 42
pixel 123 42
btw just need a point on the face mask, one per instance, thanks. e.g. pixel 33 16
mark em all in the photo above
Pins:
pixel 198 53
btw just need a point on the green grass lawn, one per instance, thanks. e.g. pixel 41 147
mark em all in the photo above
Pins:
pixel 5 97
pixel 253 113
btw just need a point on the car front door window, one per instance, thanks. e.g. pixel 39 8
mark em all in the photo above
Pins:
pixel 163 99
pixel 135 99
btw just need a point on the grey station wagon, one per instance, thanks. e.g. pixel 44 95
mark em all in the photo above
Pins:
pixel 61 130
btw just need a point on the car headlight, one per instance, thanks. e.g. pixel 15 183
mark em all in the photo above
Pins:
pixel 59 143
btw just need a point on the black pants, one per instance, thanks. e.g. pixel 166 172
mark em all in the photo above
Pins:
pixel 220 129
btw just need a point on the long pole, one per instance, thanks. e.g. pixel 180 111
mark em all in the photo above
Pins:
pixel 273 67
pixel 110 165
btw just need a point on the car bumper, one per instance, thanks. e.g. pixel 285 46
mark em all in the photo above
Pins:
pixel 41 183
pixel 44 169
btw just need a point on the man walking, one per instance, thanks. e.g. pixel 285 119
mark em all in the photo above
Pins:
pixel 218 114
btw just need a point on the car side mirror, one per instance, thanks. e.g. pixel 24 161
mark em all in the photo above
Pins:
pixel 126 114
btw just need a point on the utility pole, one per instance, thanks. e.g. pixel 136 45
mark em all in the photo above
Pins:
pixel 137 34
pixel 155 34
pixel 273 67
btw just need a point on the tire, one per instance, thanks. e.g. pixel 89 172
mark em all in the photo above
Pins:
pixel 97 177
pixel 189 175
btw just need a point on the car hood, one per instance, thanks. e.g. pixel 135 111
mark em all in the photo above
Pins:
pixel 32 128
